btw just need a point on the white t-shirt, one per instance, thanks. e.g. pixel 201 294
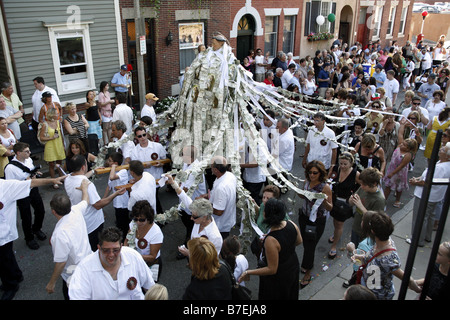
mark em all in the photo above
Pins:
pixel 320 148
pixel 144 189
pixel 434 108
pixel 93 217
pixel 36 101
pixel 287 75
pixel 223 197
pixel 201 187
pixel 241 266
pixel 126 147
pixel 153 236
pixel 153 151
pixel 10 192
pixel 254 175
pixel 69 241
pixel 437 192
pixel 120 201
pixel 392 87
pixel 124 113
pixel 284 148
pixel 259 69
pixel 90 281
pixel 14 172
pixel 211 231
pixel 150 112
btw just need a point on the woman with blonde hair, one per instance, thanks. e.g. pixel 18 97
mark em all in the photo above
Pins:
pixel 210 279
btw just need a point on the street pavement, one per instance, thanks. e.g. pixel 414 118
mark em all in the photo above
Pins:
pixel 328 275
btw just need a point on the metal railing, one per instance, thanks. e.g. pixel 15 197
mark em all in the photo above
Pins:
pixel 429 182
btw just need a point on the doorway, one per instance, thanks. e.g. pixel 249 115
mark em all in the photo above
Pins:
pixel 345 25
pixel 149 61
pixel 245 38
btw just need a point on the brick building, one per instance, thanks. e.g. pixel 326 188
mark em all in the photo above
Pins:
pixel 176 27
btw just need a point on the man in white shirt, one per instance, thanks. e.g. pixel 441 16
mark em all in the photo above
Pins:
pixel 118 178
pixel 10 192
pixel 260 69
pixel 144 186
pixel 93 216
pixel 295 80
pixel 437 194
pixel 118 131
pixel 427 61
pixel 253 177
pixel 423 112
pixel 147 150
pixel 148 109
pixel 190 161
pixel 21 168
pixel 318 144
pixel 123 112
pixel 223 196
pixel 284 145
pixel 36 99
pixel 287 75
pixel 392 86
pixel 113 272
pixel 69 241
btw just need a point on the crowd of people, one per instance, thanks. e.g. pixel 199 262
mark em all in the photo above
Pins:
pixel 357 165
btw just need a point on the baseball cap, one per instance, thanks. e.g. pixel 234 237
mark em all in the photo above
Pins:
pixel 151 96
pixel 378 66
pixel 124 67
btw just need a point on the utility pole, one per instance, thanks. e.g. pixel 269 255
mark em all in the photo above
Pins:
pixel 140 51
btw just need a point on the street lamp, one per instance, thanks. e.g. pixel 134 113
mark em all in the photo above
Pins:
pixel 420 36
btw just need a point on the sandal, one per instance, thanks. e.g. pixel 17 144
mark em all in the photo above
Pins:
pixel 305 282
pixel 397 204
pixel 331 239
pixel 332 254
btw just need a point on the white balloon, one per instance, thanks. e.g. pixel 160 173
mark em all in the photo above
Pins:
pixel 320 20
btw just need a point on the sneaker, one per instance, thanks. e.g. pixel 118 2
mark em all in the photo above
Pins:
pixel 421 147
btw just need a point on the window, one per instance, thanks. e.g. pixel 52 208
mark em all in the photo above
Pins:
pixel 325 10
pixel 378 14
pixel 391 20
pixel 270 35
pixel 190 36
pixel 288 33
pixel 401 29
pixel 72 60
pixel 314 9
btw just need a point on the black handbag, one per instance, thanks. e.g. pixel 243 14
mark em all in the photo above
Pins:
pixel 343 209
pixel 238 292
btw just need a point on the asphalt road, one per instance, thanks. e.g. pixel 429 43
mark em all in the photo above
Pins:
pixel 37 265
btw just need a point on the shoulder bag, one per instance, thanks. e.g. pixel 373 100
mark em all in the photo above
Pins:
pixel 238 292
pixel 361 268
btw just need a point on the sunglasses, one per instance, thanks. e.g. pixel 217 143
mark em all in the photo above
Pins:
pixel 416 103
pixel 412 118
pixel 139 219
pixel 142 135
pixel 114 250
pixel 195 217
pixel 313 172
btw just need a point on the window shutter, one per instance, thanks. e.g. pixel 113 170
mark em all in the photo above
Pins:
pixel 307 18
pixel 315 11
pixel 333 10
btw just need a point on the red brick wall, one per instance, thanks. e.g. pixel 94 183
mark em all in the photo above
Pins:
pixel 221 19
